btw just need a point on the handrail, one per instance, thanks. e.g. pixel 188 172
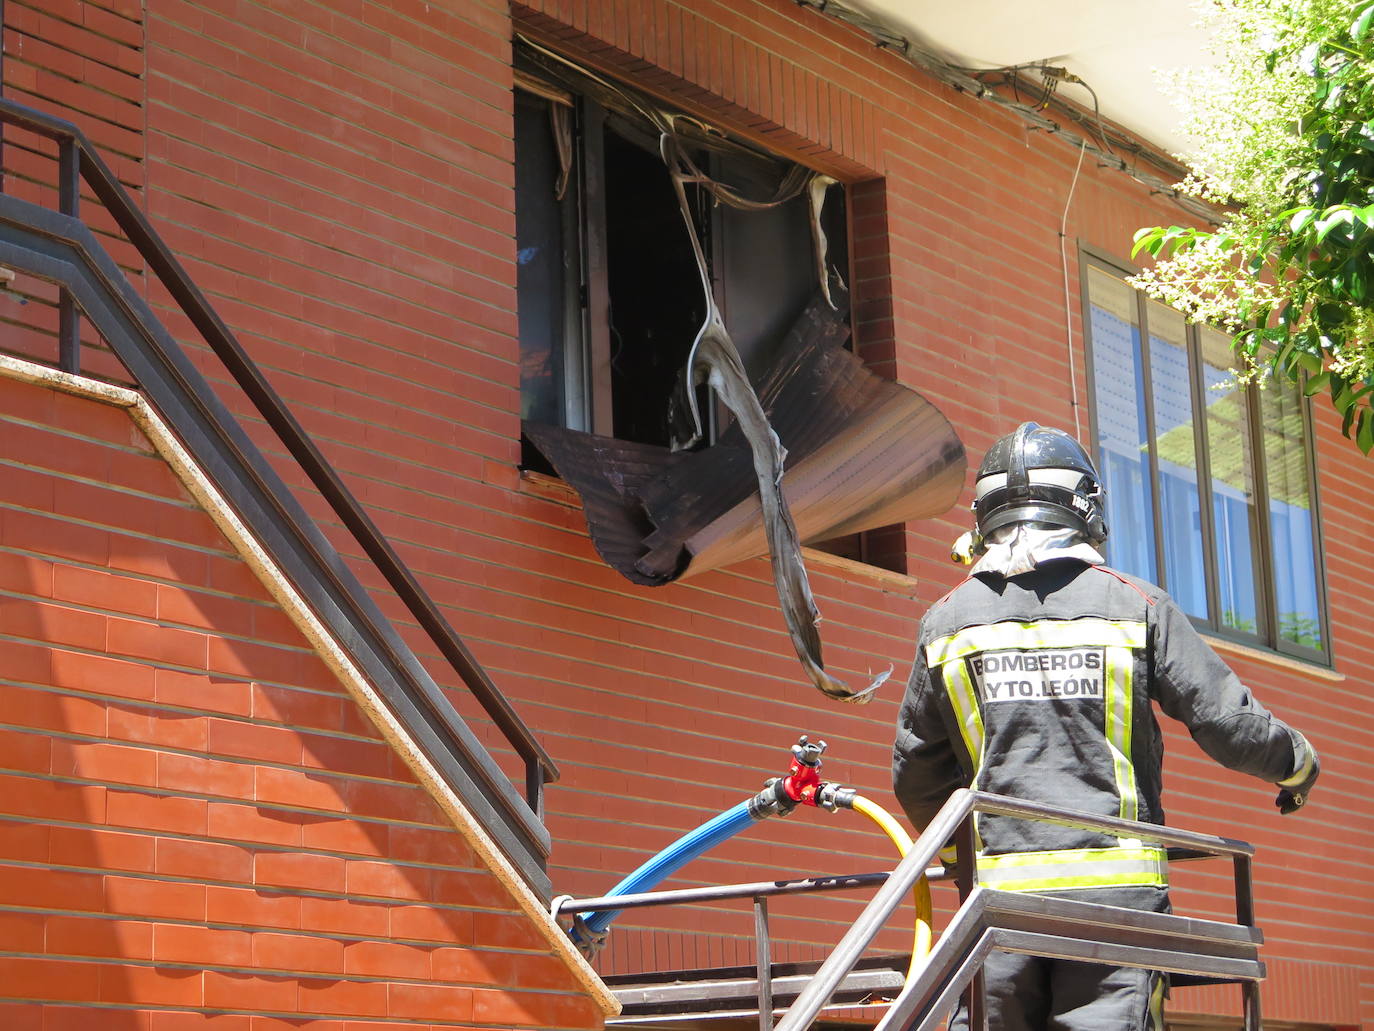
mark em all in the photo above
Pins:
pixel 77 157
pixel 954 817
pixel 724 892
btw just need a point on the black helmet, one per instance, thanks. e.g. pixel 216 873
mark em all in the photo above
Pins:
pixel 1041 475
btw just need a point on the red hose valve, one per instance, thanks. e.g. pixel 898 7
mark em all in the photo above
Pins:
pixel 803 778
pixel 780 795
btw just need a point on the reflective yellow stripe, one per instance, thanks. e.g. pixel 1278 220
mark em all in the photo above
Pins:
pixel 965 701
pixel 1075 868
pixel 963 698
pixel 1303 772
pixel 1117 716
pixel 1157 1002
pixel 1045 633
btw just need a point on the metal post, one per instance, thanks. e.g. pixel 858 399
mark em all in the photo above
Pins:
pixel 1250 997
pixel 1245 891
pixel 966 845
pixel 534 787
pixel 765 963
pixel 68 177
pixel 1245 916
pixel 68 333
pixel 69 200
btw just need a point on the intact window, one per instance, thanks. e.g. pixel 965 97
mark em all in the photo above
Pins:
pixel 1210 487
pixel 610 298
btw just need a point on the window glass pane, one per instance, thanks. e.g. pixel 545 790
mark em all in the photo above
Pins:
pixel 1234 513
pixel 542 275
pixel 1290 514
pixel 1122 440
pixel 1179 502
pixel 766 263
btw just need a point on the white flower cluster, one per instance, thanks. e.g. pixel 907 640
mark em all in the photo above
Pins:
pixel 1251 155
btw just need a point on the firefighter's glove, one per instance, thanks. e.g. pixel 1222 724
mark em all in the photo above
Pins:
pixel 1293 792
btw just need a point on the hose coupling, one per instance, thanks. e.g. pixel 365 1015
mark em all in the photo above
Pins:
pixel 773 800
pixel 835 796
pixel 587 941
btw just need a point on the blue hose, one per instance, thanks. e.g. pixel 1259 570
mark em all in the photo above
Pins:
pixel 673 858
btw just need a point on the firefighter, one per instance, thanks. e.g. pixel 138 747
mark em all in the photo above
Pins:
pixel 1034 678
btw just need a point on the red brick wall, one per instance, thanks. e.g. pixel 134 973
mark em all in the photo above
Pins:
pixel 339 179
pixel 195 819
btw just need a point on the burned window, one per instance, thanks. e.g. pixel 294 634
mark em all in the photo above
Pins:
pixel 683 333
pixel 610 298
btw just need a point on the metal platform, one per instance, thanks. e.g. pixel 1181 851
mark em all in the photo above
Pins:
pixel 1191 950
pixel 687 999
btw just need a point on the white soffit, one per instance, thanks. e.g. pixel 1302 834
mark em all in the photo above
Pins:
pixel 1113 45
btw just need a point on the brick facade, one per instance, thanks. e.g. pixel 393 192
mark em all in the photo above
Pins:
pixel 196 820
pixel 338 178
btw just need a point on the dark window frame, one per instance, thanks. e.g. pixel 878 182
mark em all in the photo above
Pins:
pixel 1267 636
pixel 588 252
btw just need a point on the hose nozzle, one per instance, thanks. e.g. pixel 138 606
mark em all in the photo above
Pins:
pixel 807 754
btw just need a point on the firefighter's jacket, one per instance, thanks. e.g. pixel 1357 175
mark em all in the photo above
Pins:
pixel 1039 686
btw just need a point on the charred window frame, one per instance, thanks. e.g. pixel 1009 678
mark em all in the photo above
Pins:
pixel 609 292
pixel 1211 485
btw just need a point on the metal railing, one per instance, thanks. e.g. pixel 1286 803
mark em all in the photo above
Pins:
pixel 1204 950
pixel 1102 933
pixel 733 988
pixel 57 247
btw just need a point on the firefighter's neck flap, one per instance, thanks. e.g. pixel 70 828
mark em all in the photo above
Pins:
pixel 1020 547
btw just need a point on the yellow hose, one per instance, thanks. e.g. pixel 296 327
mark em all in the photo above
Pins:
pixel 920 948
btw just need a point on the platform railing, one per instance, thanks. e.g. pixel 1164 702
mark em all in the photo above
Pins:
pixel 1196 951
pixel 1104 933
pixel 57 247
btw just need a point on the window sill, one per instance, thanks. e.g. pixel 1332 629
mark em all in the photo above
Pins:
pixel 551 488
pixel 861 572
pixel 1275 659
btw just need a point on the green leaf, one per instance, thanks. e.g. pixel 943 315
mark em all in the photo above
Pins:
pixel 1358 31
pixel 1344 399
pixel 1330 314
pixel 1148 239
pixel 1359 286
pixel 1364 435
pixel 1312 363
pixel 1335 217
pixel 1283 357
pixel 1302 219
pixel 1317 383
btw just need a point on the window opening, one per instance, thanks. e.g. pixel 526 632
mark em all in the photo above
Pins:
pixel 629 302
pixel 705 261
pixel 654 303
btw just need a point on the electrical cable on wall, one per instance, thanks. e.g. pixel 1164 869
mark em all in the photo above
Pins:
pixel 1068 306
